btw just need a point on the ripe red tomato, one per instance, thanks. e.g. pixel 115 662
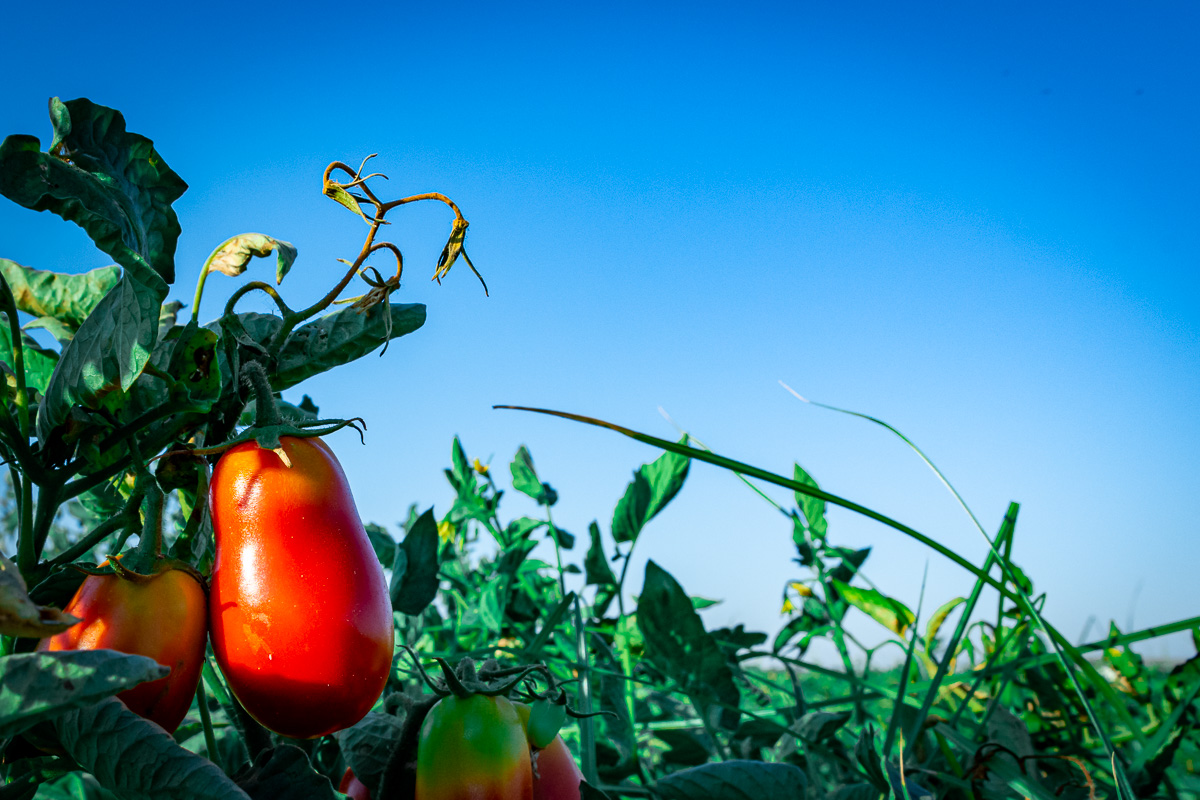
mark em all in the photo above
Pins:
pixel 352 786
pixel 301 618
pixel 473 748
pixel 556 775
pixel 163 616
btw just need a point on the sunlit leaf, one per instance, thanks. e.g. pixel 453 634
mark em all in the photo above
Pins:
pixel 939 616
pixel 20 616
pixel 62 297
pixel 38 686
pixel 234 255
pixel 892 614
pixel 341 337
pixel 110 182
pixel 813 508
pixel 653 486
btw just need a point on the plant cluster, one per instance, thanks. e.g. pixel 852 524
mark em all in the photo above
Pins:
pixel 229 629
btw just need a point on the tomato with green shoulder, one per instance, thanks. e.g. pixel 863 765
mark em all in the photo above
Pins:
pixel 473 748
pixel 163 615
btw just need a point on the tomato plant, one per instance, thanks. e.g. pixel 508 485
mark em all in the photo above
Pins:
pixel 163 616
pixel 301 618
pixel 473 748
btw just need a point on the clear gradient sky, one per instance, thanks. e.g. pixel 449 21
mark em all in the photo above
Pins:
pixel 976 221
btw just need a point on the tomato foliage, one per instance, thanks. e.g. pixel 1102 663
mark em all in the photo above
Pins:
pixel 135 425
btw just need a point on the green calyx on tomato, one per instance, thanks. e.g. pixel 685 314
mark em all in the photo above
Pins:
pixel 556 776
pixel 546 718
pixel 301 617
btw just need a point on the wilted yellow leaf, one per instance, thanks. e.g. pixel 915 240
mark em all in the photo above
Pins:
pixel 19 616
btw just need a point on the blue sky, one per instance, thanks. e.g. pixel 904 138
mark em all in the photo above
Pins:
pixel 977 223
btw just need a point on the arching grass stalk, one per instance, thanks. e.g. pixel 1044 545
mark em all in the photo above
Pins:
pixel 1058 643
pixel 1061 645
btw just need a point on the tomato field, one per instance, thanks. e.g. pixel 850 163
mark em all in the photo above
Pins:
pixel 191 606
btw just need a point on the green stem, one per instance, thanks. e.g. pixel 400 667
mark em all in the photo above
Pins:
pixel 48 500
pixel 266 412
pixel 587 730
pixel 261 287
pixel 14 326
pixel 210 738
pixel 290 321
pixel 127 516
pixel 22 489
pixel 1006 527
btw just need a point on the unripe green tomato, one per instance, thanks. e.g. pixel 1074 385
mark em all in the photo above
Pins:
pixel 473 748
pixel 545 720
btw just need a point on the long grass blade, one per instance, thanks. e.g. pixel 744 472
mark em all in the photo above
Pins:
pixel 1059 644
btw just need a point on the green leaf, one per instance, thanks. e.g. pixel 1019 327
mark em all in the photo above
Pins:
pixel 817 726
pixel 234 254
pixel 39 362
pixel 595 564
pixel 383 543
pixel 339 338
pixel 168 314
pixel 284 773
pixel 62 297
pixel 415 570
pixel 38 686
pixel 939 616
pixel 110 182
pixel 677 643
pixel 109 351
pixel 72 786
pixel 857 791
pixel 653 486
pixel 137 759
pixel 1129 667
pixel 734 780
pixel 618 730
pixel 368 745
pixel 20 615
pixel 525 479
pixel 589 792
pixel 892 614
pixel 851 563
pixel 521 528
pixel 904 787
pixel 813 508
pixel 565 540
pixel 462 474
